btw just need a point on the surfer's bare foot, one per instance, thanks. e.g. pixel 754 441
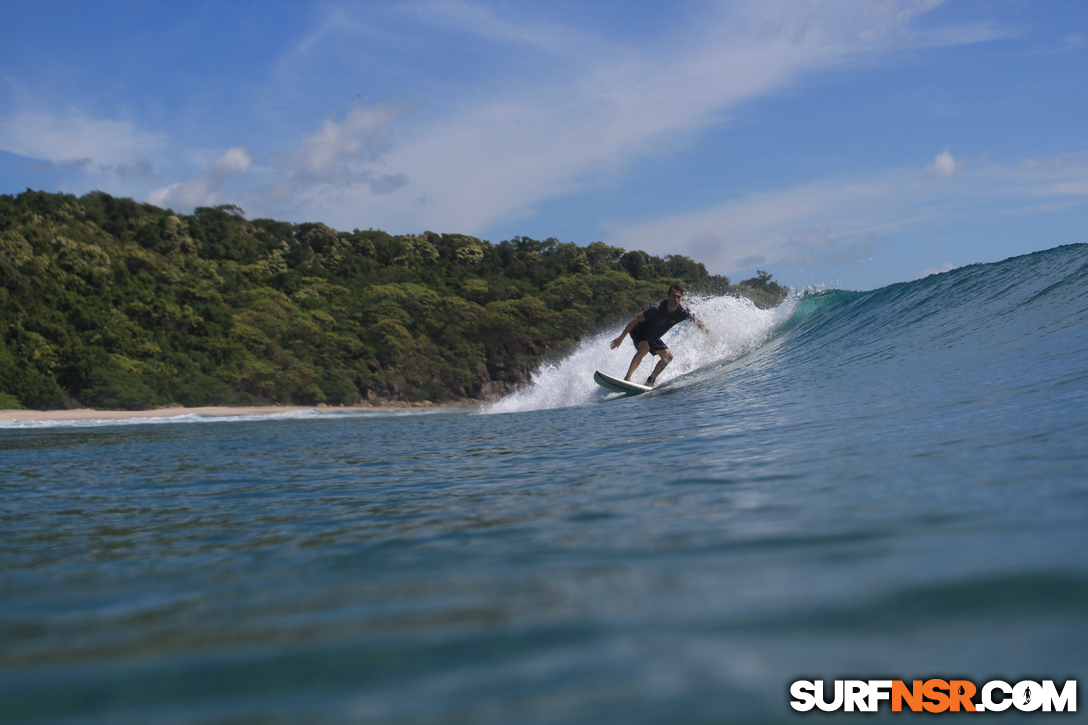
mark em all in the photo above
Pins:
pixel 650 381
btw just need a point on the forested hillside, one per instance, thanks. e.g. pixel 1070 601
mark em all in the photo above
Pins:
pixel 109 303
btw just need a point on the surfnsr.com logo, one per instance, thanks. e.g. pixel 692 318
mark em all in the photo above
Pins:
pixel 935 696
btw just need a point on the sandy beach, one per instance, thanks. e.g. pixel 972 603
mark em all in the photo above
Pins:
pixel 92 414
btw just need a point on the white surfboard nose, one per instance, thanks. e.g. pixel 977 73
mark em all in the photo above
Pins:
pixel 619 385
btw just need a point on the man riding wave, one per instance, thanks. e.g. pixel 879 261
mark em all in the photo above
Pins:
pixel 647 327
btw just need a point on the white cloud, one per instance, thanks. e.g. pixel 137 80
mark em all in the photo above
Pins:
pixel 206 188
pixel 944 165
pixel 331 153
pixel 235 159
pixel 76 137
pixel 337 168
pixel 326 168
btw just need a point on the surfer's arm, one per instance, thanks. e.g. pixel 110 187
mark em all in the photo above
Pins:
pixel 700 324
pixel 627 330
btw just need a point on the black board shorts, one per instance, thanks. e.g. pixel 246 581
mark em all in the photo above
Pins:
pixel 656 345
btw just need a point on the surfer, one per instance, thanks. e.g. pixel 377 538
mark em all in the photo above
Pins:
pixel 647 327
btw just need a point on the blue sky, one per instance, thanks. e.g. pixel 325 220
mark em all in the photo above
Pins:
pixel 853 144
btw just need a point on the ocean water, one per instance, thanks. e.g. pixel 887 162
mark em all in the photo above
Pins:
pixel 875 485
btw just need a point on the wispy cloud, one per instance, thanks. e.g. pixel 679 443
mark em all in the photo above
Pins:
pixel 482 21
pixel 839 222
pixel 816 223
pixel 76 138
pixel 556 132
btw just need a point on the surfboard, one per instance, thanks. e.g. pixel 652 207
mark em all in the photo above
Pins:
pixel 619 385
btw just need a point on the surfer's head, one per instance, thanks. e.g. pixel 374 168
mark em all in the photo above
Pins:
pixel 676 291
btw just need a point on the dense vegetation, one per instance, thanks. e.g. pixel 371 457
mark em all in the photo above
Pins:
pixel 110 303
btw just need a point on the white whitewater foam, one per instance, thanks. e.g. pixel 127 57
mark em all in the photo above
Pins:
pixel 737 327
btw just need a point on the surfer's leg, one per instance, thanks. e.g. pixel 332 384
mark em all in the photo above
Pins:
pixel 643 348
pixel 664 357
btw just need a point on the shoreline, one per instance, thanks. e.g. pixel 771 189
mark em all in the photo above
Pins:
pixel 216 410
